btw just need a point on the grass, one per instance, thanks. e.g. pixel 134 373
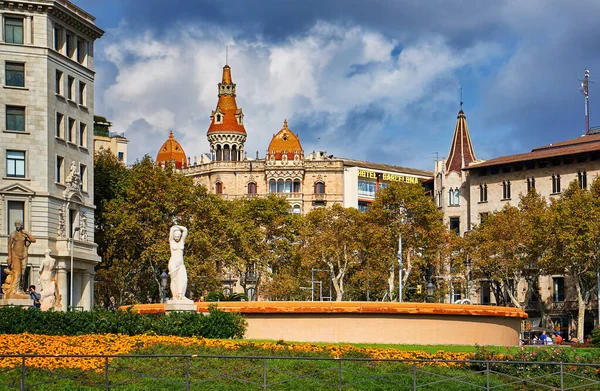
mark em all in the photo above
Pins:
pixel 162 373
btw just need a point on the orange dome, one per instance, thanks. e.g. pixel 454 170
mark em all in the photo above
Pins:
pixel 227 118
pixel 170 152
pixel 285 141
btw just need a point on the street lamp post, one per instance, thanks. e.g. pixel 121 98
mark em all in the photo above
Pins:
pixel 401 267
pixel 164 279
pixel 430 289
pixel 71 284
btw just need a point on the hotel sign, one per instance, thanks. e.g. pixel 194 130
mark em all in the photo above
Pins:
pixel 387 177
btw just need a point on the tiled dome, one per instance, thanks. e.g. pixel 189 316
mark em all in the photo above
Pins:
pixel 171 151
pixel 285 142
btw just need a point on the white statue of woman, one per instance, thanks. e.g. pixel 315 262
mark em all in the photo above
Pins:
pixel 49 289
pixel 177 270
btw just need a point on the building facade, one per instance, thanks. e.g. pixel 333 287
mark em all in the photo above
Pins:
pixel 47 106
pixel 467 190
pixel 104 139
pixel 308 181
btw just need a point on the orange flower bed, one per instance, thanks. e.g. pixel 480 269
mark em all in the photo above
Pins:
pixel 111 344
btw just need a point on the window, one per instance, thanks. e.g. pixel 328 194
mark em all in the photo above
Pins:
pixel 582 179
pixel 81 50
pixel 60 161
pixel 485 293
pixel 530 184
pixel 59 79
pixel 70 45
pixel 70 82
pixel 82 99
pixel 455 225
pixel 296 210
pixel 15 74
pixel 71 135
pixel 439 198
pixel 59 125
pixel 15 118
pixel 319 188
pixel 13 30
pixel 506 190
pixel 483 192
pixel 219 188
pixel 272 186
pixel 296 186
pixel 15 164
pixel 363 206
pixel 251 188
pixel 453 197
pixel 121 156
pixel 82 172
pixel 82 134
pixel 366 188
pixel 288 186
pixel 483 216
pixel 558 289
pixel 555 184
pixel 58 34
pixel 16 211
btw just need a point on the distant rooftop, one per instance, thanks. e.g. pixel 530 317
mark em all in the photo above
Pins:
pixel 385 167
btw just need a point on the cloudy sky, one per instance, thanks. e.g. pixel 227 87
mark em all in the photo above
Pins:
pixel 377 80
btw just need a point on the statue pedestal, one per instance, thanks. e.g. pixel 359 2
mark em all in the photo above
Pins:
pixel 180 306
pixel 20 302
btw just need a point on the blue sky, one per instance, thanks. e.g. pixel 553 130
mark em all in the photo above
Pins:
pixel 376 80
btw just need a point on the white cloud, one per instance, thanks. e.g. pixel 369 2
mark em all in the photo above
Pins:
pixel 330 71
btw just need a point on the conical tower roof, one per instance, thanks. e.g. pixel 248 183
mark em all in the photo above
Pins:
pixel 227 117
pixel 172 152
pixel 285 142
pixel 461 151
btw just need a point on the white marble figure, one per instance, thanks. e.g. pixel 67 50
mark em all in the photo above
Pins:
pixel 177 271
pixel 50 297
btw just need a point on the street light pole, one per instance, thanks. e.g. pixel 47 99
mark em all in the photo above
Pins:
pixel 401 267
pixel 71 284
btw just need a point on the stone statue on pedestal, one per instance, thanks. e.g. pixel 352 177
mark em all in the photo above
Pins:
pixel 18 246
pixel 51 297
pixel 177 271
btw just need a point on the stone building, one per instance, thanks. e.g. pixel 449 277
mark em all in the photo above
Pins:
pixel 467 190
pixel 107 140
pixel 47 108
pixel 308 181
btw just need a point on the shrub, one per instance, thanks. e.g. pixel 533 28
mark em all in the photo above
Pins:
pixel 217 324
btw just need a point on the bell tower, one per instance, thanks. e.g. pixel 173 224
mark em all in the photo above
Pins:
pixel 226 133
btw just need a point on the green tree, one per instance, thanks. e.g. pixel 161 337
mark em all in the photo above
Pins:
pixel 574 242
pixel 404 209
pixel 331 239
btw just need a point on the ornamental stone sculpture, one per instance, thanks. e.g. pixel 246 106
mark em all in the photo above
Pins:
pixel 18 245
pixel 177 271
pixel 51 297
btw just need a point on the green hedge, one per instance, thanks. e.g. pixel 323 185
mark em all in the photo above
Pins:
pixel 217 324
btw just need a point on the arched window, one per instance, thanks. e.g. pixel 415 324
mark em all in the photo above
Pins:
pixel 280 185
pixel 219 153
pixel 296 210
pixel 219 188
pixel 296 186
pixel 234 151
pixel 319 188
pixel 450 196
pixel 251 188
pixel 288 186
pixel 226 153
pixel 218 119
pixel 272 186
pixel 456 197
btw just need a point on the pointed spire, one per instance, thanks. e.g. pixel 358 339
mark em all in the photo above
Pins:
pixel 461 151
pixel 226 75
pixel 285 125
pixel 171 134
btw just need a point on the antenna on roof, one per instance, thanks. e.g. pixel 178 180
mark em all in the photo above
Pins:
pixel 461 101
pixel 585 83
pixel 226 55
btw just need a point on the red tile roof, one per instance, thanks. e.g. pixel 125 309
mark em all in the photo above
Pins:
pixel 461 151
pixel 588 143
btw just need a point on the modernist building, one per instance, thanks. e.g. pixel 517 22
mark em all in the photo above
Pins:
pixel 467 189
pixel 308 181
pixel 46 148
pixel 104 139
